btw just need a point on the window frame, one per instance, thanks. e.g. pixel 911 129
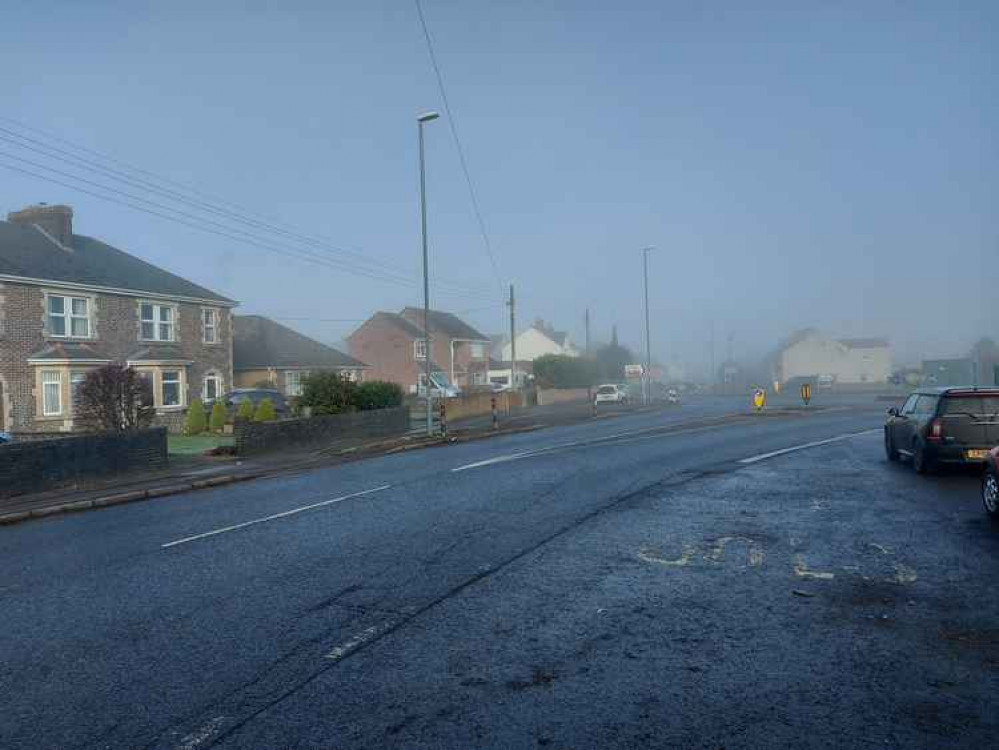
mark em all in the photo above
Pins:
pixel 419 345
pixel 213 326
pixel 477 350
pixel 44 399
pixel 180 387
pixel 67 316
pixel 156 321
pixel 300 375
pixel 211 376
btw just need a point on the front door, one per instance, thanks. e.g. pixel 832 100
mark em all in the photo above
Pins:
pixel 902 426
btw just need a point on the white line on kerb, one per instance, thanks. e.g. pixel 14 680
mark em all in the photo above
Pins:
pixel 803 446
pixel 276 516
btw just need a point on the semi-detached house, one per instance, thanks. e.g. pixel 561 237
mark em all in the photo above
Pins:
pixel 70 303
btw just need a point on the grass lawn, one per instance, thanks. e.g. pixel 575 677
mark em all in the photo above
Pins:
pixel 195 445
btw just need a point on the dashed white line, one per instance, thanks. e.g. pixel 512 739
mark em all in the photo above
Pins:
pixel 276 516
pixel 358 640
pixel 805 446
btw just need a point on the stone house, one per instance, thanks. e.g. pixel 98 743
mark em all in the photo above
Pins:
pixel 70 303
pixel 266 351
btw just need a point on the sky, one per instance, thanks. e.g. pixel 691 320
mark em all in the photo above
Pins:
pixel 824 164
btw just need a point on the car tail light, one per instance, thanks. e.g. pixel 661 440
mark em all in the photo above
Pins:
pixel 936 430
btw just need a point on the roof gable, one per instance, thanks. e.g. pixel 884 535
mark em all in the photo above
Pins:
pixel 260 343
pixel 27 252
pixel 444 322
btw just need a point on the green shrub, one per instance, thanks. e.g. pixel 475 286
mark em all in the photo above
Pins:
pixel 218 416
pixel 265 411
pixel 245 410
pixel 195 423
pixel 327 393
pixel 377 394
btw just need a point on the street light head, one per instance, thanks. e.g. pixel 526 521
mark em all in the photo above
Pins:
pixel 427 117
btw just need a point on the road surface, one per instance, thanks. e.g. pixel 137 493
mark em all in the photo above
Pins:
pixel 664 579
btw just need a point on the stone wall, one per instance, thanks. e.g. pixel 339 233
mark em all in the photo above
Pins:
pixel 327 431
pixel 38 465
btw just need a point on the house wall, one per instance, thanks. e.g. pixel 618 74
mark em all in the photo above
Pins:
pixel 532 344
pixel 276 376
pixel 388 351
pixel 115 335
pixel 822 356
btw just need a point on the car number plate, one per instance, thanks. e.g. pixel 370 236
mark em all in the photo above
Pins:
pixel 975 455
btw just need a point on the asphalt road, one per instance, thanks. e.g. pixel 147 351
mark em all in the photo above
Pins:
pixel 654 580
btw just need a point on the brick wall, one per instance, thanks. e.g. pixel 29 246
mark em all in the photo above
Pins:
pixel 37 465
pixel 388 350
pixel 327 431
pixel 116 329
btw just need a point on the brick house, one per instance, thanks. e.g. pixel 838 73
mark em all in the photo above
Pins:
pixel 70 303
pixel 266 351
pixel 394 347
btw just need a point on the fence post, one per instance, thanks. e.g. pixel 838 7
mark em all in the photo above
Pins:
pixel 492 405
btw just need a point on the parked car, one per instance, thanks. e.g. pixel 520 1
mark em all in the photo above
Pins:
pixel 6 437
pixel 943 425
pixel 611 394
pixel 673 396
pixel 990 484
pixel 234 398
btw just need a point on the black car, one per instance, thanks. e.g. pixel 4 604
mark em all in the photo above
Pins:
pixel 236 397
pixel 944 425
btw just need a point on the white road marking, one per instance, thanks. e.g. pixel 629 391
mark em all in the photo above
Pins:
pixel 490 462
pixel 200 736
pixel 276 516
pixel 800 570
pixel 361 638
pixel 904 574
pixel 682 561
pixel 804 446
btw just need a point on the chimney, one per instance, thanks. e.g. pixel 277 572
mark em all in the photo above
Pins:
pixel 55 221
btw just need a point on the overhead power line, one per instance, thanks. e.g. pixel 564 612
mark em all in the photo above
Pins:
pixel 452 124
pixel 203 225
pixel 351 260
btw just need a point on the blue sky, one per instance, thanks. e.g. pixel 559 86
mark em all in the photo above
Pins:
pixel 824 164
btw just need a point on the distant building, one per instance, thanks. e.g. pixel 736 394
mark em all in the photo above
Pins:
pixel 810 354
pixel 540 339
pixel 948 371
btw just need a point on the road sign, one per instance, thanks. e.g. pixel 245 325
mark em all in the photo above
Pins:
pixel 759 399
pixel 634 371
pixel 806 392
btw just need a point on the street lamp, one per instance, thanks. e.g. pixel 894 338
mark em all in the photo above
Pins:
pixel 420 122
pixel 647 379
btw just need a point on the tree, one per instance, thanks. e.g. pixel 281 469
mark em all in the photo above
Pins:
pixel 612 358
pixel 561 371
pixel 218 416
pixel 115 398
pixel 377 394
pixel 327 393
pixel 195 422
pixel 265 411
pixel 245 410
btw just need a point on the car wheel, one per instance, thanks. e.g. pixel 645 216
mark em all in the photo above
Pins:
pixel 890 451
pixel 990 493
pixel 919 460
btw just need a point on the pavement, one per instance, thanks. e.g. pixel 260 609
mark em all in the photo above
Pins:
pixel 655 580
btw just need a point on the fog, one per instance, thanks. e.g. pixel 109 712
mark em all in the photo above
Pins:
pixel 793 164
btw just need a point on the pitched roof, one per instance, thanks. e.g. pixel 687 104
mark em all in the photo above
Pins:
pixel 444 322
pixel 27 252
pixel 871 343
pixel 397 320
pixel 260 342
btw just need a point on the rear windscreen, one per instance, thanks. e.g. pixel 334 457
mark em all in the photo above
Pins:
pixel 607 389
pixel 978 406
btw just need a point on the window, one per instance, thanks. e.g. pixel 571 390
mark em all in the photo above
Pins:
pixel 926 405
pixel 69 316
pixel 478 378
pixel 51 393
pixel 157 322
pixel 75 381
pixel 293 382
pixel 420 349
pixel 170 380
pixel 478 351
pixel 910 404
pixel 212 389
pixel 209 325
pixel 149 397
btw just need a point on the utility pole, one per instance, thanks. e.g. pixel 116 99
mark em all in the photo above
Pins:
pixel 586 319
pixel 421 120
pixel 711 378
pixel 647 375
pixel 513 340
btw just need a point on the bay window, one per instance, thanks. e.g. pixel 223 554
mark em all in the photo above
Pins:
pixel 51 393
pixel 170 388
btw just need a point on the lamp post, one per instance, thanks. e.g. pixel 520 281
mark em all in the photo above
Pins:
pixel 420 122
pixel 647 375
